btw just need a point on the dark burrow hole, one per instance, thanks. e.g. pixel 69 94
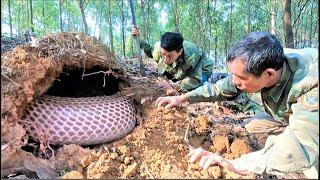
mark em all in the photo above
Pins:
pixel 70 83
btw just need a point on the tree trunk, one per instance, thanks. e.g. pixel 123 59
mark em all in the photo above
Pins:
pixel 148 20
pixel 60 10
pixel 208 27
pixel 143 30
pixel 10 20
pixel 230 18
pixel 131 47
pixel 110 27
pixel 215 36
pixel 310 26
pixel 19 18
pixel 287 24
pixel 31 16
pixel 175 15
pixel 100 24
pixel 43 16
pixel 122 30
pixel 249 18
pixel 273 17
pixel 83 17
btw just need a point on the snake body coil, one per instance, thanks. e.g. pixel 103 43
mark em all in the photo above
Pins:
pixel 83 121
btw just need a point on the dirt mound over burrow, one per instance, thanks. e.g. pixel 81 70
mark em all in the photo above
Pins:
pixel 31 69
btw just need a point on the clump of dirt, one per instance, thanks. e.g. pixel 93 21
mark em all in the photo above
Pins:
pixel 154 149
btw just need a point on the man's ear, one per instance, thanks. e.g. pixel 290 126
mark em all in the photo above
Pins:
pixel 180 51
pixel 269 73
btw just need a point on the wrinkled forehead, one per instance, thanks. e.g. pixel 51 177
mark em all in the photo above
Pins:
pixel 236 66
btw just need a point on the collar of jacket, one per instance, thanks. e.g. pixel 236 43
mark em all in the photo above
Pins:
pixel 276 91
pixel 162 66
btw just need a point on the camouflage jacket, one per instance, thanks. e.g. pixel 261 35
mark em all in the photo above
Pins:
pixel 292 101
pixel 186 71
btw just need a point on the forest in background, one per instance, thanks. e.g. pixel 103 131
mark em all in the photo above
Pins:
pixel 215 25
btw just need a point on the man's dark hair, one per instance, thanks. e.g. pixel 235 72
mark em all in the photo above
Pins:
pixel 171 41
pixel 259 51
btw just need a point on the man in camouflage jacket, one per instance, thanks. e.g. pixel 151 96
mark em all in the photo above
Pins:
pixel 287 81
pixel 181 61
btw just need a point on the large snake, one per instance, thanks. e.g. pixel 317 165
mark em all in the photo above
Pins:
pixel 83 121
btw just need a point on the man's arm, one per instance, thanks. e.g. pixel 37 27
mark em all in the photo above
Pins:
pixel 294 150
pixel 222 90
pixel 188 83
pixel 147 48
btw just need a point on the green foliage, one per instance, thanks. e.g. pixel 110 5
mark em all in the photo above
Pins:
pixel 212 24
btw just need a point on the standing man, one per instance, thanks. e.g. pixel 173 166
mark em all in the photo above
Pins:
pixel 183 62
pixel 288 84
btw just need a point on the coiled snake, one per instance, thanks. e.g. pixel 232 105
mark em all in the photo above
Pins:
pixel 83 121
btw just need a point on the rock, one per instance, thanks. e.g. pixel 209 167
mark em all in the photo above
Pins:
pixel 131 170
pixel 73 175
pixel 124 150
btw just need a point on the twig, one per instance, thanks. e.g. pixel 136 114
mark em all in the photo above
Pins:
pixel 147 169
pixel 186 139
pixel 84 68
pixel 9 79
pixel 129 95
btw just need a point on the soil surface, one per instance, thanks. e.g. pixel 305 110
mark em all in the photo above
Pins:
pixel 156 148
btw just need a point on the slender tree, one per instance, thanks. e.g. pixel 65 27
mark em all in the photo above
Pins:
pixel 31 16
pixel 110 26
pixel 83 17
pixel 43 16
pixel 10 19
pixel 273 17
pixel 287 24
pixel 249 18
pixel 122 31
pixel 310 25
pixel 60 10
pixel 175 15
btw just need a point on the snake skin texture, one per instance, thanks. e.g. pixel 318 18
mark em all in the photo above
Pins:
pixel 83 121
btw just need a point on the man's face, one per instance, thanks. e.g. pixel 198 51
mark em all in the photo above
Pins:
pixel 170 56
pixel 246 82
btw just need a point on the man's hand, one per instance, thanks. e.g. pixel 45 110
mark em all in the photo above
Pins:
pixel 206 158
pixel 134 31
pixel 170 101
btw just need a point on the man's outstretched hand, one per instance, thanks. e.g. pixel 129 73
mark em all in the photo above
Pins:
pixel 208 158
pixel 170 101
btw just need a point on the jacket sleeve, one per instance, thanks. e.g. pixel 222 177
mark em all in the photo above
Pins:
pixel 187 83
pixel 224 89
pixel 147 48
pixel 294 150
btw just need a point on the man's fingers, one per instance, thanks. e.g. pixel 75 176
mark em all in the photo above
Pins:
pixel 203 160
pixel 208 162
pixel 168 106
pixel 161 102
pixel 195 154
pixel 158 100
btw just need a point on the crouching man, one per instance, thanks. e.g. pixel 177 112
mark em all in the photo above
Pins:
pixel 287 80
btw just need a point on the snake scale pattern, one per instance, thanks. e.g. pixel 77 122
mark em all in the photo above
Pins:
pixel 83 121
